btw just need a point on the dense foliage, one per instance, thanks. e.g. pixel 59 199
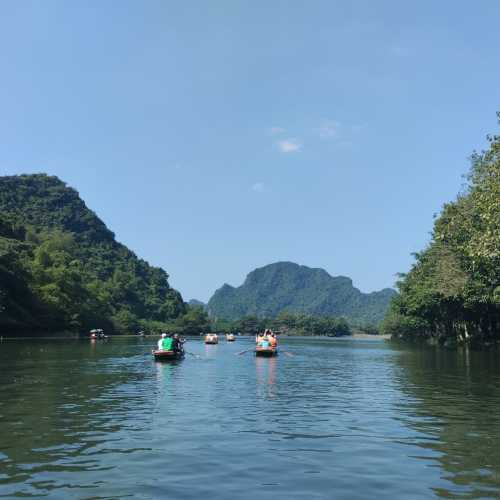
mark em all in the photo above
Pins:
pixel 285 286
pixel 61 268
pixel 452 292
pixel 286 323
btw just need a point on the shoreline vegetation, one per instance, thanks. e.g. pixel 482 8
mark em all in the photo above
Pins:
pixel 451 295
pixel 73 336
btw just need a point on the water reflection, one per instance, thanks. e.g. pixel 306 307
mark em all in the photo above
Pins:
pixel 59 408
pixel 265 369
pixel 455 398
pixel 211 350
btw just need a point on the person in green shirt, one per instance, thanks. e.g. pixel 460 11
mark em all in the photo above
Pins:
pixel 168 343
pixel 165 343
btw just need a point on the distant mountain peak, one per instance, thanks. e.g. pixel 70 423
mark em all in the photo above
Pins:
pixel 280 286
pixel 196 303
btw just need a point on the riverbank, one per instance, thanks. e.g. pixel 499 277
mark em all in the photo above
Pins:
pixel 367 336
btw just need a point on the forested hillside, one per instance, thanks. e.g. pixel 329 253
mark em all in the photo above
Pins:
pixel 452 292
pixel 62 269
pixel 288 287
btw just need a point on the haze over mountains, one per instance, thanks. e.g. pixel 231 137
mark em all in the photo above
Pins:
pixel 286 286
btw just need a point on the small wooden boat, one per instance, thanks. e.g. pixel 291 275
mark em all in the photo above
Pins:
pixel 211 338
pixel 267 352
pixel 97 333
pixel 167 355
pixel 230 337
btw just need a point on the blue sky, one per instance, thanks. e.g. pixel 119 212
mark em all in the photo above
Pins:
pixel 215 137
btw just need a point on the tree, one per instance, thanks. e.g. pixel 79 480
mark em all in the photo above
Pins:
pixel 451 292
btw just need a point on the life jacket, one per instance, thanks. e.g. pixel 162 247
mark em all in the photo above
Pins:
pixel 167 344
pixel 260 339
pixel 273 341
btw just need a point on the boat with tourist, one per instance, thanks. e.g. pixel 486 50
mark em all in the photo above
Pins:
pixel 230 337
pixel 211 338
pixel 266 344
pixel 97 333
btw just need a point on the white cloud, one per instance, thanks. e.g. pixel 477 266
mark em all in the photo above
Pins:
pixel 289 145
pixel 258 187
pixel 329 129
pixel 276 130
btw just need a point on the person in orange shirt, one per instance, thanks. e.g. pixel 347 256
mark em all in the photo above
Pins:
pixel 273 341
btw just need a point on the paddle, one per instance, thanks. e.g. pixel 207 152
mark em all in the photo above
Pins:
pixel 289 354
pixel 243 352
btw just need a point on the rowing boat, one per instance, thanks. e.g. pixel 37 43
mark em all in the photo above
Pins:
pixel 230 337
pixel 167 355
pixel 211 338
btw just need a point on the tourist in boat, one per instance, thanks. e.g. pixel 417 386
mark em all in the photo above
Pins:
pixel 264 337
pixel 165 343
pixel 160 341
pixel 265 343
pixel 261 337
pixel 168 342
pixel 177 343
pixel 273 341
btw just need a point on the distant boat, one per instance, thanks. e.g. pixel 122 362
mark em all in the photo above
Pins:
pixel 167 355
pixel 230 337
pixel 266 352
pixel 97 333
pixel 211 338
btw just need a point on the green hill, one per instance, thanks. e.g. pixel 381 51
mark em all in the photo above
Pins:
pixel 285 286
pixel 61 267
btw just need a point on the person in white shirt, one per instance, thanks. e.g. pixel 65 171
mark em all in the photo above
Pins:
pixel 160 342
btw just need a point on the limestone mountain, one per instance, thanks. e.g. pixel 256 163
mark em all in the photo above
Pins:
pixel 286 286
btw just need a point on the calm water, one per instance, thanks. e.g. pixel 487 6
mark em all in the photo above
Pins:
pixel 341 419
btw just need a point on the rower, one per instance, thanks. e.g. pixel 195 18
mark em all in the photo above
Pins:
pixel 273 341
pixel 177 343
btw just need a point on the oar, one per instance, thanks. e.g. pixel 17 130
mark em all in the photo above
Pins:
pixel 243 352
pixel 289 354
pixel 193 354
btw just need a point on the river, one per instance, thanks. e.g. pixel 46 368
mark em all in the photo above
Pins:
pixel 335 418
